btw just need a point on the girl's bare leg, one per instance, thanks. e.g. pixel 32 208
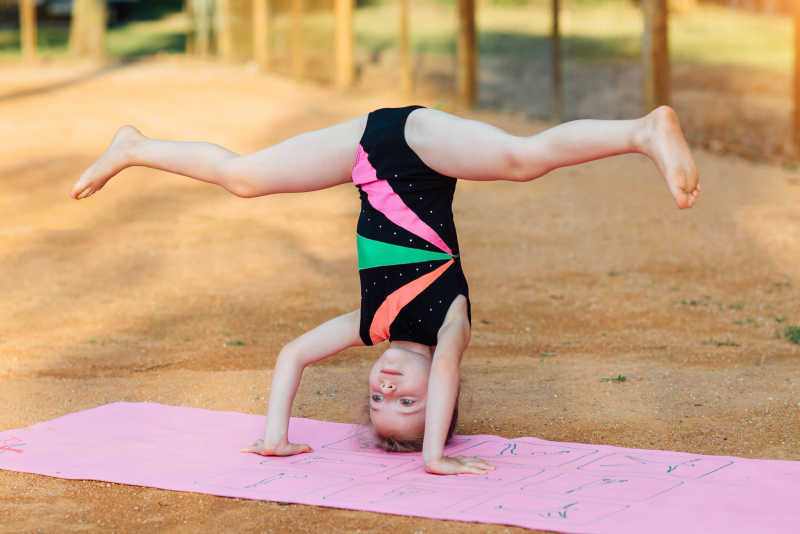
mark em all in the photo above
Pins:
pixel 474 150
pixel 306 162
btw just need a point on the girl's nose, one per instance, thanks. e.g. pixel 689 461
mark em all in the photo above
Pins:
pixel 387 386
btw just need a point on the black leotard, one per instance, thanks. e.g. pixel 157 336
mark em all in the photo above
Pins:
pixel 408 255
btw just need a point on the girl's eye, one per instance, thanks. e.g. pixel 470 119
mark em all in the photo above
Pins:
pixel 377 397
pixel 406 402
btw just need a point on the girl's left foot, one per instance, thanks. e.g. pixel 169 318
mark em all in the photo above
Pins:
pixel 662 140
pixel 115 158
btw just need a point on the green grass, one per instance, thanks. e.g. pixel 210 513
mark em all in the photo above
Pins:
pixel 592 31
pixel 792 334
pixel 166 34
pixel 722 343
pixel 618 379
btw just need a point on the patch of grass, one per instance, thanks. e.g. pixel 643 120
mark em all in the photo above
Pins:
pixel 548 354
pixel 780 319
pixel 792 334
pixel 234 342
pixel 695 302
pixel 736 306
pixel 716 343
pixel 618 378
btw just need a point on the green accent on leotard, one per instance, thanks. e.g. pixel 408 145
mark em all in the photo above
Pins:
pixel 372 253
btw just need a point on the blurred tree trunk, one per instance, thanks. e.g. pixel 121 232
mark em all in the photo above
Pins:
pixel 555 59
pixel 467 53
pixel 797 80
pixel 234 29
pixel 655 55
pixel 405 52
pixel 191 31
pixel 343 10
pixel 200 14
pixel 262 50
pixel 224 30
pixel 87 31
pixel 296 39
pixel 27 27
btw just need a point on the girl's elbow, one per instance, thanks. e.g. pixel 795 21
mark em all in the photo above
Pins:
pixel 514 164
pixel 520 164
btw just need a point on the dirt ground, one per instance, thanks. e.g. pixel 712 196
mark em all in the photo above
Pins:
pixel 160 288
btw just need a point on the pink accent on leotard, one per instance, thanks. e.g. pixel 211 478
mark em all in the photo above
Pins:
pixel 396 301
pixel 383 198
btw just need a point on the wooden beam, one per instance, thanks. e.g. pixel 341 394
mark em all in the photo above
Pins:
pixel 406 73
pixel 655 55
pixel 262 50
pixel 555 60
pixel 467 53
pixel 344 64
pixel 296 39
pixel 203 22
pixel 191 31
pixel 27 28
pixel 224 30
pixel 796 124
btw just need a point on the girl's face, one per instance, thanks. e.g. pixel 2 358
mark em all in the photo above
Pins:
pixel 398 389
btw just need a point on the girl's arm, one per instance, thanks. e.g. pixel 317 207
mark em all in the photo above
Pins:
pixel 452 341
pixel 323 341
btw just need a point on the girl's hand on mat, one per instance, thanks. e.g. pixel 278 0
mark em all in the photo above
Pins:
pixel 453 465
pixel 282 449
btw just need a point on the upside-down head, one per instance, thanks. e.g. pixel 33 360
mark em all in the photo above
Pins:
pixel 398 393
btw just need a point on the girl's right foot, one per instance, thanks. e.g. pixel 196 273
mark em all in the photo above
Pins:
pixel 662 140
pixel 115 158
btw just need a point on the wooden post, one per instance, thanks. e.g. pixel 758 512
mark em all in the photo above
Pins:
pixel 203 23
pixel 261 36
pixel 655 54
pixel 555 57
pixel 467 56
pixel 224 30
pixel 296 39
pixel 27 26
pixel 87 30
pixel 345 71
pixel 405 52
pixel 191 31
pixel 797 80
pixel 76 22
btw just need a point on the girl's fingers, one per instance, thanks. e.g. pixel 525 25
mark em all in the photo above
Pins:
pixel 480 462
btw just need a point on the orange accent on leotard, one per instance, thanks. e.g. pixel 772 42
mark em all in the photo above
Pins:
pixel 395 301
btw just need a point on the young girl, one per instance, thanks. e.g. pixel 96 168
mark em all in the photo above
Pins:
pixel 413 292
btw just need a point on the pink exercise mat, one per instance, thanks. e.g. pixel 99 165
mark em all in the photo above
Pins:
pixel 567 487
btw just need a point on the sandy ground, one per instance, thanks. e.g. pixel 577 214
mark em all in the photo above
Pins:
pixel 160 288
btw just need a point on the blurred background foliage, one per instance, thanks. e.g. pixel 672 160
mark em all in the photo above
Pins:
pixel 731 60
